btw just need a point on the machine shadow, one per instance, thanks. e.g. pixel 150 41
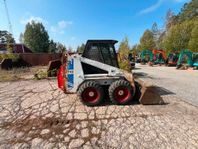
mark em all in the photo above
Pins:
pixel 107 102
pixel 136 68
pixel 141 75
pixel 163 91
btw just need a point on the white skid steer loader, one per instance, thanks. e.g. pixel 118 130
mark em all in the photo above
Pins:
pixel 96 72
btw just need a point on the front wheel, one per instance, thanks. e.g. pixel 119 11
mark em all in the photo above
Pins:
pixel 121 92
pixel 90 93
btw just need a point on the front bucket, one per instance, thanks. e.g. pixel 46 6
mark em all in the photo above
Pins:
pixel 149 94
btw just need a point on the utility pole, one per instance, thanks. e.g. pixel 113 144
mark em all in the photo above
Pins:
pixel 9 22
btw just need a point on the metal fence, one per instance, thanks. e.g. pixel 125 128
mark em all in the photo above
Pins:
pixel 39 59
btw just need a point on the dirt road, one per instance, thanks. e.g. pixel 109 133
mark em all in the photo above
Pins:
pixel 183 83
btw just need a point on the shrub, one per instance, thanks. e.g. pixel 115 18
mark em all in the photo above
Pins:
pixel 41 74
pixel 12 56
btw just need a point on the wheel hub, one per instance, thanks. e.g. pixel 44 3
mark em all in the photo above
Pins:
pixel 121 92
pixel 91 94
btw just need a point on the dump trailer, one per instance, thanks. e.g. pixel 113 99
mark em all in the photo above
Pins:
pixel 95 74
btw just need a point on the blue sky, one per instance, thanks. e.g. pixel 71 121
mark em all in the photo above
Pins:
pixel 72 22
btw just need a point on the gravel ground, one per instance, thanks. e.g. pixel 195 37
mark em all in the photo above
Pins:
pixel 35 114
pixel 183 83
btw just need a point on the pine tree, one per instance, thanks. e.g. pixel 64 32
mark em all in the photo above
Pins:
pixel 156 34
pixel 147 40
pixel 178 36
pixel 52 47
pixel 193 43
pixel 123 53
pixel 189 11
pixel 81 48
pixel 36 37
pixel 6 37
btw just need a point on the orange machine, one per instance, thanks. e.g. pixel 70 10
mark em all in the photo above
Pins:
pixel 159 56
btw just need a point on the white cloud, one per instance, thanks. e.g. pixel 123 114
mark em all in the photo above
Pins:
pixel 179 1
pixel 151 8
pixel 33 18
pixel 61 26
pixel 157 5
pixel 64 24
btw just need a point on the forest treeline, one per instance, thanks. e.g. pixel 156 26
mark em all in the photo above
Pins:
pixel 180 31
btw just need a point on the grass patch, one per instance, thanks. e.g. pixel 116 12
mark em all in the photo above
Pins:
pixel 12 56
pixel 11 75
pixel 41 74
pixel 23 73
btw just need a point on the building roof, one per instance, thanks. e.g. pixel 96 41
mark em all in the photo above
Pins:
pixel 18 48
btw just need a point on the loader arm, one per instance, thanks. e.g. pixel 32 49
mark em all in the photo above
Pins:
pixel 112 71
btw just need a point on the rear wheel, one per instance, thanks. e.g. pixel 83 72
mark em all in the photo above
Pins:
pixel 121 92
pixel 90 93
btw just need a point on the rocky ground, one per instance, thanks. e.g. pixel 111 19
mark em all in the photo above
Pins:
pixel 35 114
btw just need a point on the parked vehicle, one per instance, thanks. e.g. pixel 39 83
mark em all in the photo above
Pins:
pixel 97 72
pixel 172 59
pixel 185 57
pixel 159 57
pixel 146 56
pixel 131 60
pixel 195 59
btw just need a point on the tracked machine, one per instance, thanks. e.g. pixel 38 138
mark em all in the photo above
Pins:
pixel 95 76
pixel 190 57
pixel 159 57
pixel 172 59
pixel 146 57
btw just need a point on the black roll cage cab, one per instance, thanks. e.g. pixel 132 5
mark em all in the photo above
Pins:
pixel 102 51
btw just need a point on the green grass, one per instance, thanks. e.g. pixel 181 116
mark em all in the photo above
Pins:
pixel 12 56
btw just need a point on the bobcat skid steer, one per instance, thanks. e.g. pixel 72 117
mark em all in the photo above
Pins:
pixel 96 73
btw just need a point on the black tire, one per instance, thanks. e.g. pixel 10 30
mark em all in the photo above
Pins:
pixel 90 87
pixel 137 92
pixel 126 95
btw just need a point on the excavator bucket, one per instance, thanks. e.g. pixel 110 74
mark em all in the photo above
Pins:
pixel 149 95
